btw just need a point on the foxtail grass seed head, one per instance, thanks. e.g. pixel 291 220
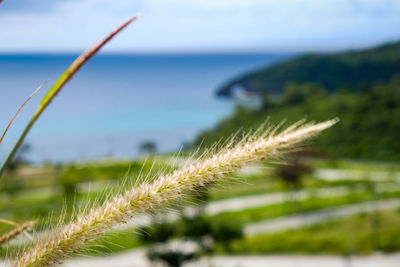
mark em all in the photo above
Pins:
pixel 150 197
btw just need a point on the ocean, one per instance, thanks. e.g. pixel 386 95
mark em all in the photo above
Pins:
pixel 116 101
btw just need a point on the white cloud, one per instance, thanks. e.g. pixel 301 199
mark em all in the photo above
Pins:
pixel 203 24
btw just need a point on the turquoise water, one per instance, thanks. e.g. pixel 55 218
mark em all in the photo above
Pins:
pixel 117 101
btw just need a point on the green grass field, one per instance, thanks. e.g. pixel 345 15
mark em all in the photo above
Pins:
pixel 46 200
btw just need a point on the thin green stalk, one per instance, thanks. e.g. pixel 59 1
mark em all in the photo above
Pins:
pixel 19 110
pixel 56 88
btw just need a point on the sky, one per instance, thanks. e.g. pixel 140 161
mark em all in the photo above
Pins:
pixel 198 25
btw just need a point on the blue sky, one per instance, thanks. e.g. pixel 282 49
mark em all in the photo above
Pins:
pixel 198 25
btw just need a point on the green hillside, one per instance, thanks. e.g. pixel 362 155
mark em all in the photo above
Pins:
pixel 369 126
pixel 351 69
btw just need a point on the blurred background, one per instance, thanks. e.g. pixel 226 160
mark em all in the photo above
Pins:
pixel 186 75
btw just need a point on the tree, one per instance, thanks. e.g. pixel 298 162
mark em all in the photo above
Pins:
pixel 148 147
pixel 69 180
pixel 195 228
pixel 12 185
pixel 293 172
pixel 293 93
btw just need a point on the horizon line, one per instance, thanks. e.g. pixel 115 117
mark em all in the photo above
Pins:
pixel 205 51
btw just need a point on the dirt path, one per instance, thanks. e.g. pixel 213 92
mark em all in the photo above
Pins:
pixel 301 261
pixel 308 218
pixel 138 258
pixel 346 174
